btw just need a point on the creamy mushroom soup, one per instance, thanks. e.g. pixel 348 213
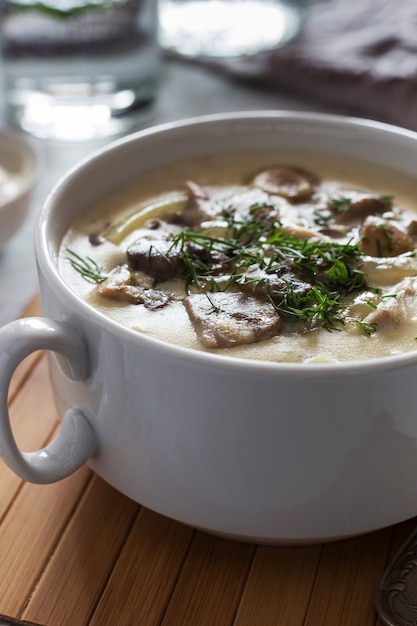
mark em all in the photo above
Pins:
pixel 278 257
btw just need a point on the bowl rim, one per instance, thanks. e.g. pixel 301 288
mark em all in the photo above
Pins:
pixel 47 261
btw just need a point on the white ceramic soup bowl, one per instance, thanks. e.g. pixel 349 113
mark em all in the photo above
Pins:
pixel 259 451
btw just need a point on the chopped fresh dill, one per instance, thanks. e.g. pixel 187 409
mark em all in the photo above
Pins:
pixel 388 234
pixel 368 328
pixel 339 205
pixel 321 217
pixel 303 279
pixel 50 9
pixel 316 307
pixel 214 306
pixel 387 199
pixel 86 267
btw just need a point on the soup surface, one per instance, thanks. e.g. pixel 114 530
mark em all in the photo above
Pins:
pixel 277 257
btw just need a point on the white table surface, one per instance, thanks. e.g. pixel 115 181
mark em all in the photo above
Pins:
pixel 186 90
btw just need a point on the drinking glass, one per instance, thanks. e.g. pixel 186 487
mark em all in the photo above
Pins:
pixel 228 28
pixel 79 69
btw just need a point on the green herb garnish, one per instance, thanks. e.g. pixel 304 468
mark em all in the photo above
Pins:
pixel 321 217
pixel 384 228
pixel 339 205
pixel 256 252
pixel 65 11
pixel 86 267
pixel 305 280
pixel 368 328
pixel 387 199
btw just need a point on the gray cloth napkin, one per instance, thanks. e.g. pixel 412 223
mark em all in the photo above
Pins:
pixel 357 55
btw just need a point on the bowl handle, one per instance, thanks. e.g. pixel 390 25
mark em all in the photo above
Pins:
pixel 76 440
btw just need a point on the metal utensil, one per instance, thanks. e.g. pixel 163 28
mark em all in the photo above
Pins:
pixel 397 594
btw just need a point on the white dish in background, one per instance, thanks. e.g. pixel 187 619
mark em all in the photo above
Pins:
pixel 18 167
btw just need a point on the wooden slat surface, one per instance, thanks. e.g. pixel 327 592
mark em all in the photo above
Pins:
pixel 79 553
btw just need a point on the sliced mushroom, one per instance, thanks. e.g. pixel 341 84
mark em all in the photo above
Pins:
pixel 400 306
pixel 381 238
pixel 412 227
pixel 225 320
pixel 156 257
pixel 358 207
pixel 199 206
pixel 253 203
pixel 273 285
pixel 296 184
pixel 301 232
pixel 96 239
pixel 121 285
pixel 389 270
pixel 335 232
